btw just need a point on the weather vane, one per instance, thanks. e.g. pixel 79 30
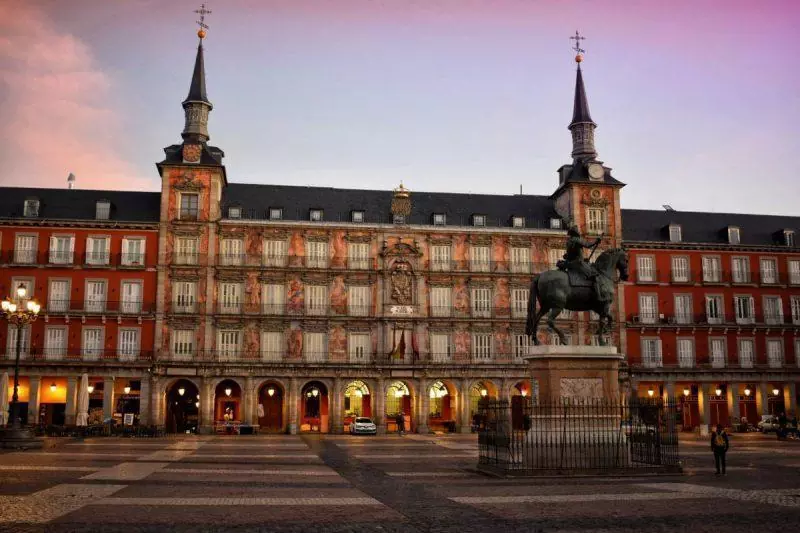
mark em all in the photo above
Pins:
pixel 202 22
pixel 578 38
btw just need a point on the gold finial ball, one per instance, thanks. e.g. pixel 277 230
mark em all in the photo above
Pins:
pixel 578 58
pixel 201 34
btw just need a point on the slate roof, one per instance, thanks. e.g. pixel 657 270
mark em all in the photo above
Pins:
pixel 580 109
pixel 80 204
pixel 706 228
pixel 197 89
pixel 337 205
pixel 209 155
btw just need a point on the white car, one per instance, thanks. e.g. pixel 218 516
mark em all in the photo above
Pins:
pixel 363 426
pixel 768 423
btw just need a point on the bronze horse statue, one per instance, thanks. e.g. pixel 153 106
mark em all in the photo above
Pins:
pixel 554 292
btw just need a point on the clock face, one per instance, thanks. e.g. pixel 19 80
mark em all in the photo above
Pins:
pixel 191 153
pixel 596 171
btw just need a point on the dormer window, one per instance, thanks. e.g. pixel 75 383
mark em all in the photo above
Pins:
pixel 399 219
pixel 734 235
pixel 517 222
pixel 234 212
pixel 31 208
pixel 479 220
pixel 555 223
pixel 675 234
pixel 275 213
pixel 357 216
pixel 315 215
pixel 439 219
pixel 102 210
pixel 788 238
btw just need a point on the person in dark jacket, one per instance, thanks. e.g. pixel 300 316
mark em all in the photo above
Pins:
pixel 719 445
pixel 400 421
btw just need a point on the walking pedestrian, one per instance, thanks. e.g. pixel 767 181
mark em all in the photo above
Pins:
pixel 400 423
pixel 719 445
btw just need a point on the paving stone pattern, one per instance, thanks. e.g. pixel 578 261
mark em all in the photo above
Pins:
pixel 378 484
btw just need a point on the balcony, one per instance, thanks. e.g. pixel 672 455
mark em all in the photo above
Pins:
pixel 99 307
pixel 648 276
pixel 185 258
pixel 97 259
pixel 679 277
pixel 513 267
pixel 276 261
pixel 358 263
pixel 228 260
pixel 91 354
pixel 741 277
pixel 132 260
pixel 60 257
pixel 189 215
pixel 184 307
pixel 25 257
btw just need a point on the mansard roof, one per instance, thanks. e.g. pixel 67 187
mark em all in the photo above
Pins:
pixel 706 228
pixel 337 204
pixel 80 204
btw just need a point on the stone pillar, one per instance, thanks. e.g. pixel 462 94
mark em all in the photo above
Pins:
pixel 157 403
pixel 33 398
pixel 72 389
pixel 424 406
pixel 144 401
pixel 337 407
pixel 733 402
pixel 108 397
pixel 704 406
pixel 206 425
pixel 762 399
pixel 790 398
pixel 669 391
pixel 379 406
pixel 248 401
pixel 463 407
pixel 292 396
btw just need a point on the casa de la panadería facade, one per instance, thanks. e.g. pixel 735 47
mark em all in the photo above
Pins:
pixel 216 306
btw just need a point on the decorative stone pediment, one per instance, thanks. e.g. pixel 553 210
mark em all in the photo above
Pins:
pixel 229 323
pixel 594 198
pixel 481 239
pixel 272 277
pixel 273 325
pixel 230 275
pixel 359 238
pixel 481 328
pixel 188 183
pixel 315 278
pixel 521 242
pixel 318 237
pixel 441 328
pixel 401 249
pixel 315 327
pixel 441 282
pixel 275 235
pixel 183 322
pixel 231 232
pixel 186 229
pixel 440 240
pixel 185 275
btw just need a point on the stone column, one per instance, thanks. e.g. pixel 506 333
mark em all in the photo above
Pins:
pixel 108 397
pixel 762 399
pixel 379 406
pixel 144 401
pixel 206 425
pixel 292 396
pixel 157 403
pixel 425 406
pixel 33 398
pixel 733 402
pixel 790 398
pixel 248 401
pixel 72 388
pixel 669 391
pixel 463 407
pixel 704 406
pixel 336 407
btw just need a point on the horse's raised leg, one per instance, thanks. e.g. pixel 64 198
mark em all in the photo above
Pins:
pixel 535 326
pixel 604 324
pixel 551 323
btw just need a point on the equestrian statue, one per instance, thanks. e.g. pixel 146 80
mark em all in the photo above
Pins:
pixel 577 285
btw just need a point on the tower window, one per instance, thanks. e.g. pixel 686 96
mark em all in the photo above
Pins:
pixel 189 206
pixel 102 210
pixel 439 219
pixel 357 216
pixel 31 208
pixel 518 222
pixel 399 219
pixel 234 212
pixel 275 213
pixel 315 215
pixel 479 220
pixel 555 223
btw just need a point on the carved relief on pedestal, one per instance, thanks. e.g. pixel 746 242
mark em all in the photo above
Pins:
pixel 581 388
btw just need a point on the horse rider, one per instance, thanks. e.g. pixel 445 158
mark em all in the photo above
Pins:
pixel 574 259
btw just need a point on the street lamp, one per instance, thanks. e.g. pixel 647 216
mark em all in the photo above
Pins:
pixel 271 391
pixel 20 311
pixel 181 391
pixel 650 392
pixel 53 387
pixel 686 391
pixel 484 392
pixel 228 391
pixel 775 392
pixel 90 388
pixel 127 389
pixel 718 391
pixel 747 391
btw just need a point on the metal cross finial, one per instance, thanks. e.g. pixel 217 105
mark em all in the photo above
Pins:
pixel 202 12
pixel 578 38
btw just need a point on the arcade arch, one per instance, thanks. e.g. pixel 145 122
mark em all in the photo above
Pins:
pixel 270 409
pixel 182 413
pixel 314 408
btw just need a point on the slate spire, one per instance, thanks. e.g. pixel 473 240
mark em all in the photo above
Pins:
pixel 197 106
pixel 582 126
pixel 197 89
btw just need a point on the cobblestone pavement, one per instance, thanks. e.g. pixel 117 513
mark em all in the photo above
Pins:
pixel 378 484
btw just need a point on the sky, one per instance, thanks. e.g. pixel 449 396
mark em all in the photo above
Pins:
pixel 697 101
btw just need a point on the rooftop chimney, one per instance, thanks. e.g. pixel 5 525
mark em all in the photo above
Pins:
pixel 71 181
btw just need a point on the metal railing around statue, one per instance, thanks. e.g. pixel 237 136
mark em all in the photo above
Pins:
pixel 578 436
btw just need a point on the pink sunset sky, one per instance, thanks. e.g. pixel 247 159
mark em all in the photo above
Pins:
pixel 697 101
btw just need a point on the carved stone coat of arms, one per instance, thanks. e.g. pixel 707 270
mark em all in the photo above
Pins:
pixel 402 283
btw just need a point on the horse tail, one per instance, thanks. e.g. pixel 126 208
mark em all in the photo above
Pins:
pixel 532 297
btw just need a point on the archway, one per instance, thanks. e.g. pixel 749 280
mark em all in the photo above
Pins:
pixel 183 407
pixel 314 413
pixel 357 402
pixel 481 391
pixel 520 396
pixel 398 402
pixel 270 407
pixel 441 407
pixel 228 412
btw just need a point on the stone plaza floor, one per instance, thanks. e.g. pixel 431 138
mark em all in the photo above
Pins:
pixel 386 483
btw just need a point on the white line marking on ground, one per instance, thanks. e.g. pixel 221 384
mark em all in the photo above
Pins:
pixel 428 474
pixel 167 455
pixel 44 468
pixel 49 504
pixel 126 471
pixel 238 501
pixel 770 497
pixel 234 471
pixel 566 498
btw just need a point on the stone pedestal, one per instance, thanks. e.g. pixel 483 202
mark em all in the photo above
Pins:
pixel 586 372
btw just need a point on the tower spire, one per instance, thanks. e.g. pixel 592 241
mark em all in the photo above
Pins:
pixel 197 106
pixel 582 126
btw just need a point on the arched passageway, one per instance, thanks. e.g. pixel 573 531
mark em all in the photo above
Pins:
pixel 314 412
pixel 183 407
pixel 270 407
pixel 357 402
pixel 398 406
pixel 441 407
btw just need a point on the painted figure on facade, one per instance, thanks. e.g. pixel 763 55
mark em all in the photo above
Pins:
pixel 576 286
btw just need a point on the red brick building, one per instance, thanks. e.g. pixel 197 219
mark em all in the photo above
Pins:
pixel 712 312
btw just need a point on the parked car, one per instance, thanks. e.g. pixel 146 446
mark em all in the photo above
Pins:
pixel 768 423
pixel 363 426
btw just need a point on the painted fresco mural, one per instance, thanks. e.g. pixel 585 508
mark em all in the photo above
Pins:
pixel 337 344
pixel 338 296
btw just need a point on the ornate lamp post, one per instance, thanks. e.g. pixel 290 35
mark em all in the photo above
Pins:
pixel 20 310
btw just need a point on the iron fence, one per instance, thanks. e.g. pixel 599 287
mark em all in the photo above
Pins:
pixel 577 436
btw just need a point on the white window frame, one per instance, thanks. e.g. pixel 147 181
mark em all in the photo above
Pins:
pixel 794 305
pixel 788 238
pixel 357 217
pixel 358 255
pixel 522 344
pixel 92 351
pixel 94 257
pixel 229 344
pixel 718 357
pixel 479 221
pixel 719 304
pixel 93 304
pixel 129 344
pixel 316 215
pixel 272 344
pixel 358 300
pixel 596 220
pixel 58 256
pixel 439 219
pixel 768 267
pixel 773 309
pixel 235 212
pixel 441 301
pixel 231 252
pixel 231 297
pixel 712 269
pixel 11 342
pixel 130 258
pixel 740 269
pixel 187 251
pixel 102 210
pixel 480 258
pixel 793 267
pixel 774 349
pixel 646 268
pixel 651 352
pixel 359 347
pixel 184 296
pixel 648 308
pixel 518 222
pixel 273 298
pixel 675 233
pixel 25 255
pixel 127 304
pixel 684 346
pixel 316 254
pixel 62 303
pixel 182 343
pixel 519 302
pixel 747 352
pixel 441 257
pixel 55 342
pixel 275 252
pixel 734 235
pixel 555 255
pixel 30 208
pixel 683 311
pixel 315 349
pixel 681 273
pixel 744 309
pixel 481 302
pixel 276 213
pixel 188 213
pixel 520 259
pixel 481 347
pixel 316 300
pixel 441 348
